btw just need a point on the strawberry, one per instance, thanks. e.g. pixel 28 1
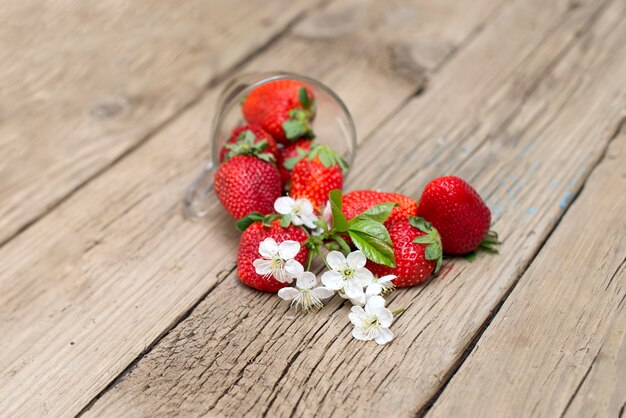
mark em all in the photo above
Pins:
pixel 417 251
pixel 246 183
pixel 459 214
pixel 283 108
pixel 315 175
pixel 359 201
pixel 245 136
pixel 293 150
pixel 249 251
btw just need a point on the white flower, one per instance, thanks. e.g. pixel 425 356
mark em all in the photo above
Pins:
pixel 300 210
pixel 304 295
pixel 278 260
pixel 347 275
pixel 378 286
pixel 381 285
pixel 372 323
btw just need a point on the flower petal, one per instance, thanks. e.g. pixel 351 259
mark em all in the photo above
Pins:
pixel 364 276
pixel 353 289
pixel 262 266
pixel 373 289
pixel 387 279
pixel 296 220
pixel 356 260
pixel 332 279
pixel 309 220
pixel 336 260
pixel 323 292
pixel 360 334
pixel 385 316
pixel 305 206
pixel 374 303
pixel 384 335
pixel 359 300
pixel 283 205
pixel 306 280
pixel 294 268
pixel 268 248
pixel 288 249
pixel 357 316
pixel 288 293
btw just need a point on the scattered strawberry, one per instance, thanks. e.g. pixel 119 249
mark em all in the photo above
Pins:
pixel 417 251
pixel 283 108
pixel 459 214
pixel 247 184
pixel 359 201
pixel 315 175
pixel 245 137
pixel 293 150
pixel 249 251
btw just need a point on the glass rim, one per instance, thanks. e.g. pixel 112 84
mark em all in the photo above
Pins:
pixel 226 101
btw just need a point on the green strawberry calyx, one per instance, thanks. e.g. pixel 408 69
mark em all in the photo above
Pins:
pixel 491 242
pixel 245 145
pixel 432 239
pixel 326 155
pixel 243 223
pixel 299 123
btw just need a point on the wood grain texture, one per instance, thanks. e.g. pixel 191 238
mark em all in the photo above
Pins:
pixel 84 82
pixel 557 345
pixel 89 287
pixel 542 105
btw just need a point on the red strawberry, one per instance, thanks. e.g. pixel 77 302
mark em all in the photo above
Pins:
pixel 315 175
pixel 358 201
pixel 458 213
pixel 417 250
pixel 247 184
pixel 249 251
pixel 246 135
pixel 283 108
pixel 293 150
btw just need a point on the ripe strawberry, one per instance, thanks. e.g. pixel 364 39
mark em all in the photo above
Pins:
pixel 315 175
pixel 417 250
pixel 293 150
pixel 245 136
pixel 458 213
pixel 283 108
pixel 249 251
pixel 247 184
pixel 359 201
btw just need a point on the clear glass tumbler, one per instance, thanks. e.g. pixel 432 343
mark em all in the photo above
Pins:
pixel 333 126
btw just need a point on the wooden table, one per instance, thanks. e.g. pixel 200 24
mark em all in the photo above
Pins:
pixel 113 304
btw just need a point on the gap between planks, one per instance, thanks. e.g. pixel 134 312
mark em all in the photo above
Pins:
pixel 570 201
pixel 218 78
pixel 620 126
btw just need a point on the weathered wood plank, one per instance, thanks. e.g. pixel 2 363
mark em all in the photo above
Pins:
pixel 557 344
pixel 542 105
pixel 84 82
pixel 90 286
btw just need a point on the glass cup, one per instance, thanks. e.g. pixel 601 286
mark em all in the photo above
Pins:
pixel 333 126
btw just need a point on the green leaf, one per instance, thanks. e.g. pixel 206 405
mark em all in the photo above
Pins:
pixel 340 223
pixel 371 228
pixel 322 224
pixel 491 243
pixel 294 128
pixel 431 239
pixel 379 213
pixel 374 249
pixel 243 223
pixel 303 95
pixel 285 221
pixel 343 244
pixel 471 256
